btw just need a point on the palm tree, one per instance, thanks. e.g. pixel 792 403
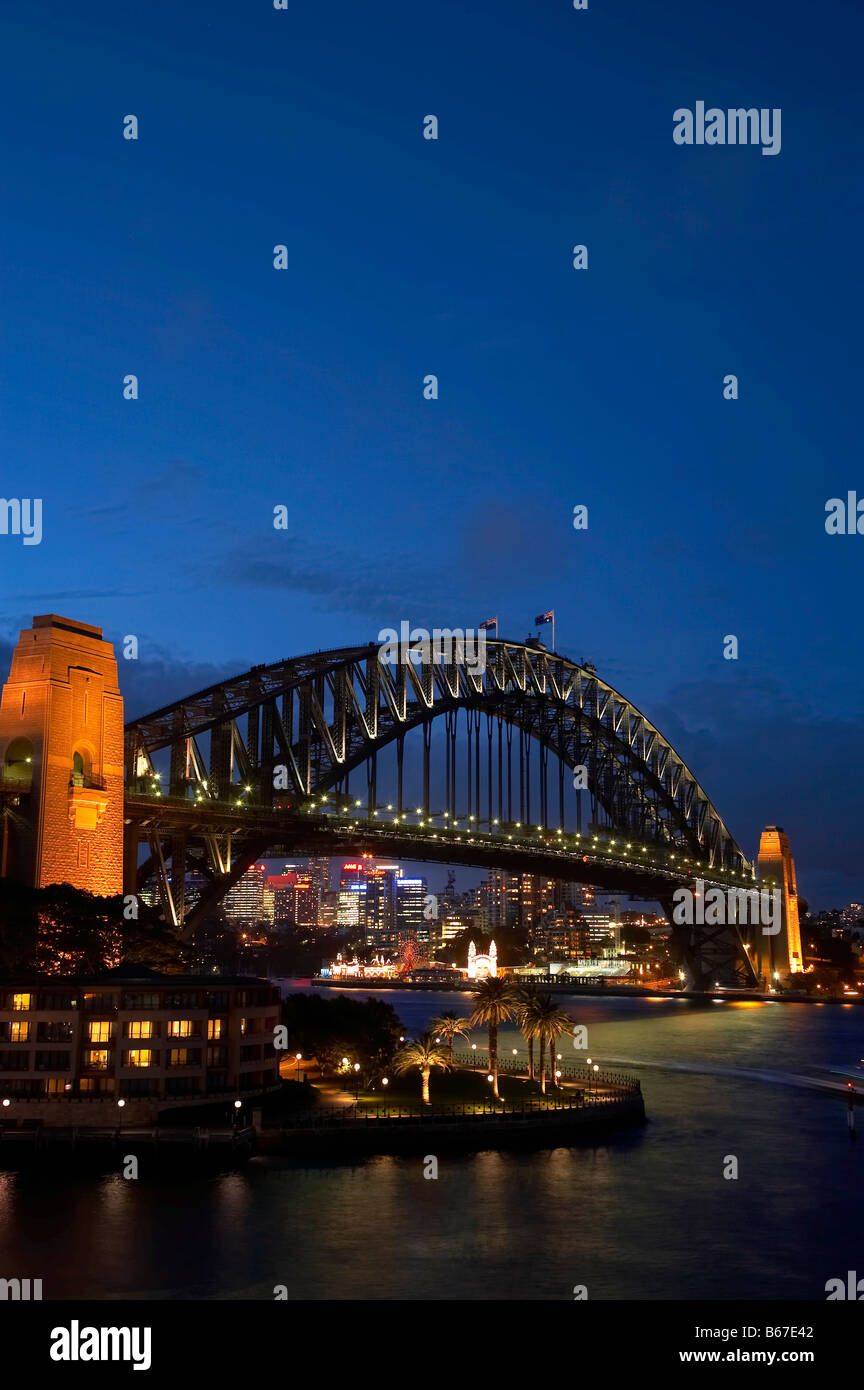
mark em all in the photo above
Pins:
pixel 495 1002
pixel 527 994
pixel 424 1054
pixel 547 1021
pixel 447 1026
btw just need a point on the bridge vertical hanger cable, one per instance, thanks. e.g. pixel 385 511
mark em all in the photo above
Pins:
pixel 500 772
pixel 561 769
pixel 468 730
pixel 400 763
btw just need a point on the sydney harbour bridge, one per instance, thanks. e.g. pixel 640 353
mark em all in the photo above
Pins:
pixel 526 762
pixel 530 763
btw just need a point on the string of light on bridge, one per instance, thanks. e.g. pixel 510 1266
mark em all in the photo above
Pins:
pixel 557 840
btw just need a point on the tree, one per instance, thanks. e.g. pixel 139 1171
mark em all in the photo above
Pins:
pixel 495 1002
pixel 448 1026
pixel 424 1054
pixel 366 1030
pixel 548 1022
pixel 64 930
pixel 526 996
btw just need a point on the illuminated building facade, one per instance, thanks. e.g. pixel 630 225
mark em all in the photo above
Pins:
pixel 319 874
pixel 351 904
pixel 382 930
pixel 410 906
pixel 120 1034
pixel 482 967
pixel 245 901
pixel 282 887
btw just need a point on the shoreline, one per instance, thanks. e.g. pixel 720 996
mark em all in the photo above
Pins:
pixel 593 990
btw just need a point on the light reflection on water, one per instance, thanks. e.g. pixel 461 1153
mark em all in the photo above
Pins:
pixel 646 1215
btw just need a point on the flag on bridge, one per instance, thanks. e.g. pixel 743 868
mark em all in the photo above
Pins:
pixel 545 618
pixel 490 622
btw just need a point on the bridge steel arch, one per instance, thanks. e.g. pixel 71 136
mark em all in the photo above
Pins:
pixel 310 721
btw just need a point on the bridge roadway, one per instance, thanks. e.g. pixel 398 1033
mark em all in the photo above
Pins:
pixel 613 863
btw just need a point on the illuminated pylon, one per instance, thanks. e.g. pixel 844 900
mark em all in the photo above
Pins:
pixel 781 953
pixel 61 747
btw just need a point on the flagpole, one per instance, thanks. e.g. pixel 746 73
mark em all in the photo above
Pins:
pixel 554 648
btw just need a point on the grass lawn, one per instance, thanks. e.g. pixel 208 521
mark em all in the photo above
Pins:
pixel 454 1088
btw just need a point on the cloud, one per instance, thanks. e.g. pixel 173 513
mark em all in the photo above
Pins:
pixel 381 587
pixel 149 685
pixel 764 759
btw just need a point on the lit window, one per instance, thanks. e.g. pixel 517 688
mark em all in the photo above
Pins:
pixel 214 1028
pixel 244 1023
pixel 100 1032
pixel 180 1028
pixel 98 1059
pixel 178 1057
pixel 140 1028
pixel 22 1001
pixel 139 1057
pixel 55 1086
pixel 19 1032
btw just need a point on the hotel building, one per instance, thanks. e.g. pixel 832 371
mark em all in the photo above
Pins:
pixel 132 1032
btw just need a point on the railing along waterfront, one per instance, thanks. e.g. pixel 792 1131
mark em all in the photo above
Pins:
pixel 516 1066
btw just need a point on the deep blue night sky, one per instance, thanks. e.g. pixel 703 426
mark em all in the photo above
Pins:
pixel 408 257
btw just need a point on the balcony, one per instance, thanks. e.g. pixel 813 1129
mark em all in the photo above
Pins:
pixel 88 800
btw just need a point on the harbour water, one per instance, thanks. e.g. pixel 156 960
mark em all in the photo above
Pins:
pixel 646 1215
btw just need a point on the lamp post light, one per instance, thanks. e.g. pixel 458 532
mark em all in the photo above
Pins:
pixel 120 1106
pixel 474 1058
pixel 237 1105
pixel 595 1069
pixel 356 1082
pixel 298 1057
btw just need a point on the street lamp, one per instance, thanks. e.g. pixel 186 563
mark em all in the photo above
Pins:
pixel 298 1056
pixel 356 1082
